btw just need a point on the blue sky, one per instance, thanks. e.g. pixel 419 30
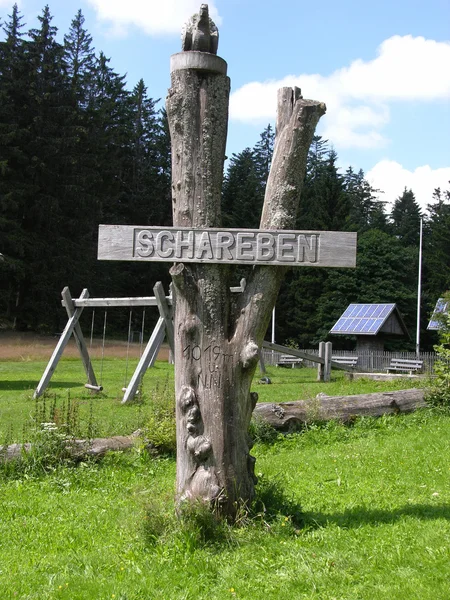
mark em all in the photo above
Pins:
pixel 382 68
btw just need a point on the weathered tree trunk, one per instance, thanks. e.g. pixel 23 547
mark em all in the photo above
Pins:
pixel 287 416
pixel 216 337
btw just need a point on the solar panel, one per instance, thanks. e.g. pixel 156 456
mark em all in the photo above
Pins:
pixel 362 319
pixel 440 309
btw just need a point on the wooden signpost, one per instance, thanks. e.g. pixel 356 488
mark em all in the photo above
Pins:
pixel 217 335
pixel 228 246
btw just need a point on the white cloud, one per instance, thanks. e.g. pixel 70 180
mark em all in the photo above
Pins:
pixel 406 68
pixel 358 96
pixel 155 17
pixel 391 178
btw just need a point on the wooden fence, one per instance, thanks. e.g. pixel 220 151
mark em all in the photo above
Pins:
pixel 370 362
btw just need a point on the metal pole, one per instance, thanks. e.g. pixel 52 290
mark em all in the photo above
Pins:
pixel 419 290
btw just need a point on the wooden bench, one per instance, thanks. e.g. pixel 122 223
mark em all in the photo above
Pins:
pixel 405 364
pixel 350 361
pixel 287 360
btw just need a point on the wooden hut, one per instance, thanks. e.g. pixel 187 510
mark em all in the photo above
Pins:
pixel 371 324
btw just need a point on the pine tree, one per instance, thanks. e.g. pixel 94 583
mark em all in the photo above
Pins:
pixel 386 272
pixel 110 126
pixel 242 192
pixel 80 59
pixel 405 218
pixel 148 186
pixel 263 152
pixel 366 212
pixel 48 117
pixel 13 183
pixel 324 204
pixel 437 247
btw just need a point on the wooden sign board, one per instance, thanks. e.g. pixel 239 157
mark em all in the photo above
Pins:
pixel 235 246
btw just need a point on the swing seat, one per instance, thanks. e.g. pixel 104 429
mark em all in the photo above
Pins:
pixel 94 388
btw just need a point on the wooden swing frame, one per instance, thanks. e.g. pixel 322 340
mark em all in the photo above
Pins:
pixel 75 306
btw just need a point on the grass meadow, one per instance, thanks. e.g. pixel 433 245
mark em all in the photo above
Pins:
pixel 342 513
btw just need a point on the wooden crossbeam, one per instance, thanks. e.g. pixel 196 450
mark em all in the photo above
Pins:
pixel 305 355
pixel 118 302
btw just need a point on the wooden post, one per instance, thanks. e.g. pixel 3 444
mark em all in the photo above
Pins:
pixel 327 365
pixel 320 366
pixel 57 352
pixel 217 341
pixel 79 340
pixel 165 312
pixel 146 361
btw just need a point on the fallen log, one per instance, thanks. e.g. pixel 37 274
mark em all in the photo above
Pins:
pixel 78 449
pixel 287 416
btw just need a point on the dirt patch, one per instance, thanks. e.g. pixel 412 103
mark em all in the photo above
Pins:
pixel 30 346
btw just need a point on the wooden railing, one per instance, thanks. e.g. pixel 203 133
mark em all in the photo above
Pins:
pixel 370 362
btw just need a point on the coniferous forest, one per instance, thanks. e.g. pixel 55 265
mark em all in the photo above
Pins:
pixel 77 148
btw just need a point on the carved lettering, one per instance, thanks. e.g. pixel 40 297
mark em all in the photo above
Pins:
pixel 242 245
pixel 285 247
pixel 162 249
pixel 265 246
pixel 144 244
pixel 204 249
pixel 332 248
pixel 307 251
pixel 210 380
pixel 184 247
pixel 225 241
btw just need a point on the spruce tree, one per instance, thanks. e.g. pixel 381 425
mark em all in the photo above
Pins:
pixel 405 218
pixel 13 182
pixel 386 272
pixel 263 152
pixel 437 247
pixel 79 56
pixel 242 192
pixel 366 211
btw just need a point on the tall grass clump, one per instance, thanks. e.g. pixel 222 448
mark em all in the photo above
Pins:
pixel 51 435
pixel 159 432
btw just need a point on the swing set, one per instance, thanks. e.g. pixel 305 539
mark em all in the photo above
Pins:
pixel 75 306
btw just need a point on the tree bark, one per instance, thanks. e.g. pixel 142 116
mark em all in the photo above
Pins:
pixel 217 338
pixel 287 416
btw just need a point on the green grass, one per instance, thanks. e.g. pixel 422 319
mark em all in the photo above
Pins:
pixel 376 524
pixel 374 503
pixel 104 415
